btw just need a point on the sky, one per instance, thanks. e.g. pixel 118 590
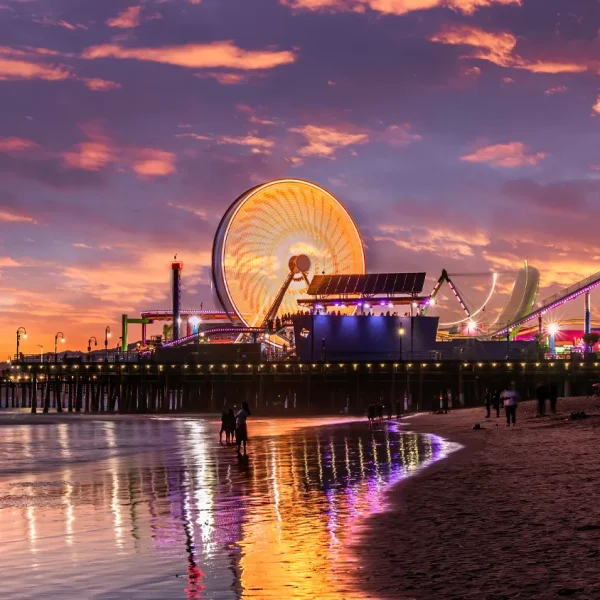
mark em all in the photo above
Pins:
pixel 461 134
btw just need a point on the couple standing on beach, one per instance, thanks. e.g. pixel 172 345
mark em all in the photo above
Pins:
pixel 235 425
pixel 543 393
pixel 508 398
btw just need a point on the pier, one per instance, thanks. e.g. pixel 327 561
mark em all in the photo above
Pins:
pixel 284 388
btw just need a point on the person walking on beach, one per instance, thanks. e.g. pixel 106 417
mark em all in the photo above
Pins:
pixel 241 430
pixel 224 416
pixel 230 427
pixel 496 401
pixel 488 402
pixel 541 393
pixel 509 397
pixel 371 415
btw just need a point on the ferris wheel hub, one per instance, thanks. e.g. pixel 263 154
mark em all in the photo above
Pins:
pixel 299 264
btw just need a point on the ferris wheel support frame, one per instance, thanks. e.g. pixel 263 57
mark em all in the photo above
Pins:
pixel 298 265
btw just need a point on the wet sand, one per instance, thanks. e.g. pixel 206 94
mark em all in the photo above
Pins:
pixel 515 514
pixel 154 508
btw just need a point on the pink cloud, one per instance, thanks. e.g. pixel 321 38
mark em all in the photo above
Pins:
pixel 596 107
pixel 19 64
pixel 252 116
pixel 392 7
pixel 16 144
pixel 493 47
pixel 499 49
pixel 225 78
pixel 9 216
pixel 130 18
pixel 93 154
pixel 100 85
pixel 257 144
pixel 223 54
pixel 399 135
pixel 326 141
pixel 511 156
pixel 560 89
pixel 470 6
pixel 52 21
pixel 441 241
pixel 149 162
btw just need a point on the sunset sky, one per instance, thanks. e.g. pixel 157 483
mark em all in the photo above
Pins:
pixel 460 133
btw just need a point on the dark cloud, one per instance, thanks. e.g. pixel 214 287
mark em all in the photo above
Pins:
pixel 50 172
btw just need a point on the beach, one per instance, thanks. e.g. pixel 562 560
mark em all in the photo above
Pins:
pixel 514 514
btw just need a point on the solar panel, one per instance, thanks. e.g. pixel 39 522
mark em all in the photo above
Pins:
pixel 314 285
pixel 374 283
pixel 334 284
pixel 419 283
pixel 399 284
pixel 390 282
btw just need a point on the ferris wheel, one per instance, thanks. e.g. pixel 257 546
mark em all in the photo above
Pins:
pixel 271 242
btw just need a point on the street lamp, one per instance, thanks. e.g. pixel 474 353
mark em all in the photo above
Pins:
pixel 553 329
pixel 41 352
pixel 401 333
pixel 195 322
pixel 62 341
pixel 24 332
pixel 90 346
pixel 106 336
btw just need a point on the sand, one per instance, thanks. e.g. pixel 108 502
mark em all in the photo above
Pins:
pixel 514 514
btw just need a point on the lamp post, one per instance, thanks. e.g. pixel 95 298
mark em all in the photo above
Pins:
pixel 401 333
pixel 106 336
pixel 90 347
pixel 553 329
pixel 41 352
pixel 62 341
pixel 20 331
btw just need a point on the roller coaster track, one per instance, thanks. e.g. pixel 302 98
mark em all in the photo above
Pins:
pixel 213 331
pixel 566 295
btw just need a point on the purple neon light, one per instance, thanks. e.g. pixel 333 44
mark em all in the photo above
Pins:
pixel 185 312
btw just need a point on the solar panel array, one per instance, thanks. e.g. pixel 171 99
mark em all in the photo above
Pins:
pixel 375 283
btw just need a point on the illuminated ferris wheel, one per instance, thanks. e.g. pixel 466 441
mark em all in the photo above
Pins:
pixel 271 242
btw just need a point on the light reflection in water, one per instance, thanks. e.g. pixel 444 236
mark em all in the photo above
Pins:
pixel 185 516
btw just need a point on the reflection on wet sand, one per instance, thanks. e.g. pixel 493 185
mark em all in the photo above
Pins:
pixel 148 508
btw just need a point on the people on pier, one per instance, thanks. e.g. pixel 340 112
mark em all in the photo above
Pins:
pixel 241 429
